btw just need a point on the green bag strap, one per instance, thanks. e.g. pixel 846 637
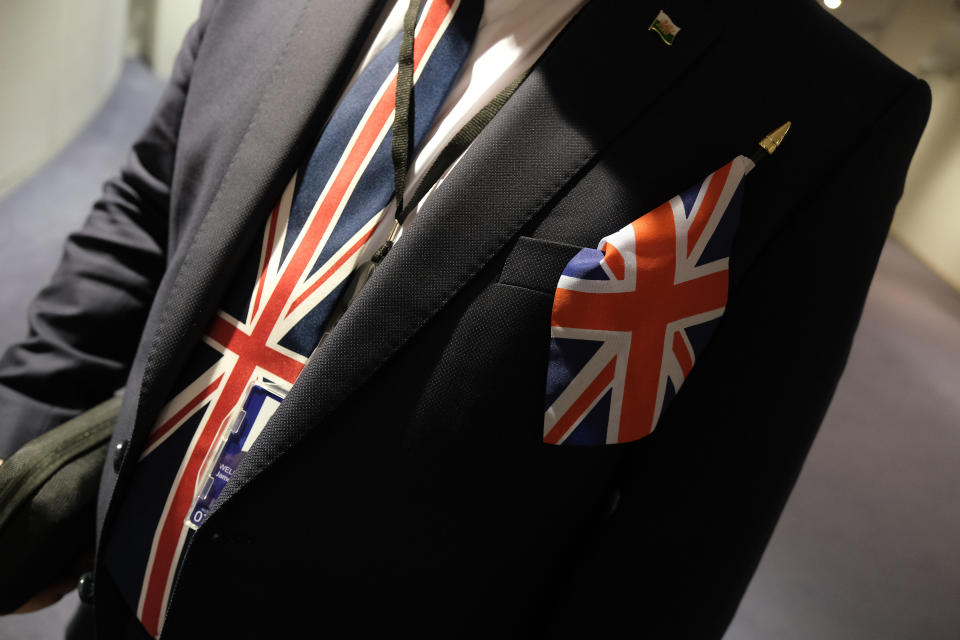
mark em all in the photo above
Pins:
pixel 33 464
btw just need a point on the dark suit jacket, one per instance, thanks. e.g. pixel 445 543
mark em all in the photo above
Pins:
pixel 403 483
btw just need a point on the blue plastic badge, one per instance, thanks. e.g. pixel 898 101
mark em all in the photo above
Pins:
pixel 236 436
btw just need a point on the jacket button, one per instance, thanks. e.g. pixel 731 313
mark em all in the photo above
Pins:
pixel 119 453
pixel 85 588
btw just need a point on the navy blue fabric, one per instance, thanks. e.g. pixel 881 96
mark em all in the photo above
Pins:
pixel 375 188
pixel 335 136
pixel 593 428
pixel 303 337
pixel 689 198
pixel 719 244
pixel 586 265
pixel 142 506
pixel 570 356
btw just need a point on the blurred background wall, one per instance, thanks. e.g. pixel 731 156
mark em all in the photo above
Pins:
pixel 923 36
pixel 59 59
pixel 157 28
pixel 928 217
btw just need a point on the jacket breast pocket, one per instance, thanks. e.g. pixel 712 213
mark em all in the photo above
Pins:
pixel 536 264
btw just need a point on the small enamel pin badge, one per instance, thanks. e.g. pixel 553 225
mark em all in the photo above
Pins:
pixel 665 27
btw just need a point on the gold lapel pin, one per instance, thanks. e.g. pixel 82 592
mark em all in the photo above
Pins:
pixel 770 143
pixel 775 138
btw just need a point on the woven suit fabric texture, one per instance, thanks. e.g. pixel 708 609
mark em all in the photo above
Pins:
pixel 272 314
pixel 416 430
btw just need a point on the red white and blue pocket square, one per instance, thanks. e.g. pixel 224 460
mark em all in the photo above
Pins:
pixel 631 317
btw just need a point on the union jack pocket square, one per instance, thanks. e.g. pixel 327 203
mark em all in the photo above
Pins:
pixel 631 317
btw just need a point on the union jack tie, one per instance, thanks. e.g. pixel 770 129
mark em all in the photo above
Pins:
pixel 631 317
pixel 270 320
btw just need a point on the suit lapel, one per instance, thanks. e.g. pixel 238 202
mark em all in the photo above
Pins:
pixel 596 79
pixel 306 81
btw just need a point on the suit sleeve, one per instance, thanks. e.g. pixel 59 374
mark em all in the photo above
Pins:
pixel 699 498
pixel 85 324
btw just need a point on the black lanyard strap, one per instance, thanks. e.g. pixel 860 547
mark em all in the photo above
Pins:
pixel 403 111
pixel 402 136
pixel 458 144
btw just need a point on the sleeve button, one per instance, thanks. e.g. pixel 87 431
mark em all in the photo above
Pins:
pixel 85 588
pixel 119 453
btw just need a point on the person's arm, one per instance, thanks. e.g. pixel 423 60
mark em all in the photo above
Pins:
pixel 85 324
pixel 699 498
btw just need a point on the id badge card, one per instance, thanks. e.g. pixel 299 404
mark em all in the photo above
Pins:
pixel 237 433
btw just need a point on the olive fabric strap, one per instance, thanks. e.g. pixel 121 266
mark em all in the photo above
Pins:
pixel 48 494
pixel 22 475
